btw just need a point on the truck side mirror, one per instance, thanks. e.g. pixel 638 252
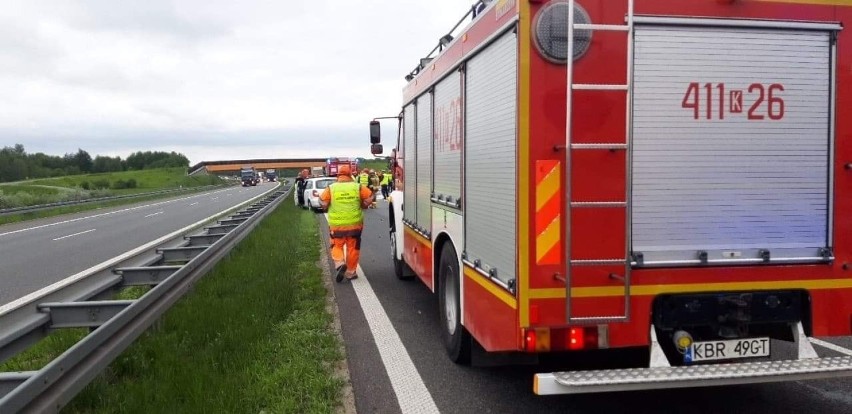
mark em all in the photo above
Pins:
pixel 376 149
pixel 375 133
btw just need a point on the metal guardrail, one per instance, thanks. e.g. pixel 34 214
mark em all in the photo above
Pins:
pixel 115 324
pixel 28 209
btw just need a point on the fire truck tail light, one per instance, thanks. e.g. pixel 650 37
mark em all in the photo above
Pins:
pixel 537 339
pixel 576 338
pixel 565 339
pixel 585 337
pixel 529 340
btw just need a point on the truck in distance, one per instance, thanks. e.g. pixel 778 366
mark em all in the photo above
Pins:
pixel 271 175
pixel 248 176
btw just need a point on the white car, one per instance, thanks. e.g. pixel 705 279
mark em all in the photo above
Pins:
pixel 313 188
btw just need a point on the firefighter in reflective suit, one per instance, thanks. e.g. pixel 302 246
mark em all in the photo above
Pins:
pixel 344 200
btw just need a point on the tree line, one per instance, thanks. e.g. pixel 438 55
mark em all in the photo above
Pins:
pixel 16 164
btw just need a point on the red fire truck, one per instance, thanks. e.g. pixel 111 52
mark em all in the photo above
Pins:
pixel 675 177
pixel 332 164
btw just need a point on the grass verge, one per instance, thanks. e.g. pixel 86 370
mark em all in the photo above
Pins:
pixel 253 336
pixel 378 165
pixel 144 180
pixel 88 186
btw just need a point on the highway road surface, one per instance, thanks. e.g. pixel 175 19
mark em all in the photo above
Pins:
pixel 35 254
pixel 406 369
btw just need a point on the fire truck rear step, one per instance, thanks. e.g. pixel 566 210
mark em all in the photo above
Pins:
pixel 581 382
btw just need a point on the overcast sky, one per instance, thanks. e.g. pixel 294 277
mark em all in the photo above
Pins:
pixel 211 79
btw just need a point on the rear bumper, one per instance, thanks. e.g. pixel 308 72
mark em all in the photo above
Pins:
pixel 582 382
pixel 661 375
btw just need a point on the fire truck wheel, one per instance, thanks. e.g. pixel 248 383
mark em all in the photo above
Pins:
pixel 456 338
pixel 398 265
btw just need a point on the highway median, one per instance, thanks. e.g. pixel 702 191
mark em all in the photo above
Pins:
pixel 254 335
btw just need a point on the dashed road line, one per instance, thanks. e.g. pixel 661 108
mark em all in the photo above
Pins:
pixel 194 203
pixel 154 214
pixel 105 214
pixel 411 393
pixel 29 298
pixel 75 234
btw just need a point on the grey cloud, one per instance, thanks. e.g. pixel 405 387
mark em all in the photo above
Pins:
pixel 202 76
pixel 151 17
pixel 23 51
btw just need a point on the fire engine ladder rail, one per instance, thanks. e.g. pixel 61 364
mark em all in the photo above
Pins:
pixel 570 147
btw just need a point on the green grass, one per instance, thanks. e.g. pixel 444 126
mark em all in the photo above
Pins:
pixel 253 336
pixel 146 180
pixel 33 189
pixel 378 165
pixel 37 356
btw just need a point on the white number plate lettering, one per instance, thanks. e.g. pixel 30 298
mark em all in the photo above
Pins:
pixel 730 349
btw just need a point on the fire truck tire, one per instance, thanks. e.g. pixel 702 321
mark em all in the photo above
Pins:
pixel 456 339
pixel 399 267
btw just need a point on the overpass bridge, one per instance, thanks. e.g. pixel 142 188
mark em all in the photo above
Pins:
pixel 233 166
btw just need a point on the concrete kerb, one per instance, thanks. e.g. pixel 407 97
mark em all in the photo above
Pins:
pixel 342 369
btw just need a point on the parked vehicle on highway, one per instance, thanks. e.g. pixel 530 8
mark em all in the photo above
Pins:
pixel 313 188
pixel 682 187
pixel 317 172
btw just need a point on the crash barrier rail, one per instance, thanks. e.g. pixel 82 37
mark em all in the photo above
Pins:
pixel 83 301
pixel 29 209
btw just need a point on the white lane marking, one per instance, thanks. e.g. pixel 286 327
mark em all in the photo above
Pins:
pixel 831 346
pixel 194 203
pixel 105 214
pixel 154 214
pixel 215 198
pixel 4 309
pixel 75 234
pixel 411 393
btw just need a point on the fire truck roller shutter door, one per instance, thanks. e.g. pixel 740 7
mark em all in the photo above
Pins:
pixel 490 139
pixel 410 171
pixel 447 174
pixel 730 143
pixel 424 161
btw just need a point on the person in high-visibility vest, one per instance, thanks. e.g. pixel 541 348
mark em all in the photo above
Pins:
pixel 364 178
pixel 386 179
pixel 344 200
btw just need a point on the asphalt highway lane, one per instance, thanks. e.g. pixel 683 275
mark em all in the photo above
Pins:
pixel 412 310
pixel 37 253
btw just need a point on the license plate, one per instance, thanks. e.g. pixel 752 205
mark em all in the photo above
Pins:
pixel 728 349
